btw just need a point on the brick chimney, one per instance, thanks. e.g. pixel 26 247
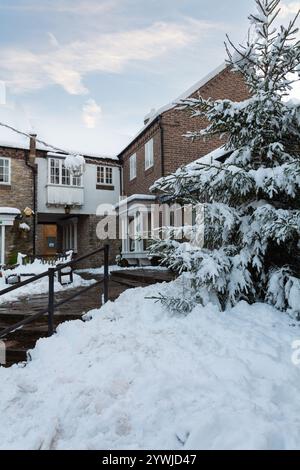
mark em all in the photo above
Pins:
pixel 32 149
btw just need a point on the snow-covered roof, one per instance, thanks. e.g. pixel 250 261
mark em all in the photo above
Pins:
pixel 9 211
pixel 153 115
pixel 210 157
pixel 16 117
pixel 63 155
pixel 135 197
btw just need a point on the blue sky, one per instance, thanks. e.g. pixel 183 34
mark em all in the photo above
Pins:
pixel 85 73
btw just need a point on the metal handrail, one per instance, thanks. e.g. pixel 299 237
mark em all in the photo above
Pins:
pixel 52 306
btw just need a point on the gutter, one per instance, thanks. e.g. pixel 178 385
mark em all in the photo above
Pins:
pixel 162 152
pixel 29 159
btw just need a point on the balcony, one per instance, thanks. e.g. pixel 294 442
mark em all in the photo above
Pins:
pixel 58 195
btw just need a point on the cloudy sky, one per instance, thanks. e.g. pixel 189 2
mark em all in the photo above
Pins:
pixel 85 73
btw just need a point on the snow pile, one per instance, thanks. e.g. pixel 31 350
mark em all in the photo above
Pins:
pixel 24 227
pixel 9 211
pixel 135 377
pixel 75 164
pixel 39 287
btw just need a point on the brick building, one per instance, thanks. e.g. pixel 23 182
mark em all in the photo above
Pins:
pixel 16 194
pixel 44 209
pixel 160 148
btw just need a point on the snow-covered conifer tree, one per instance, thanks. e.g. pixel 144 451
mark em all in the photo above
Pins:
pixel 252 200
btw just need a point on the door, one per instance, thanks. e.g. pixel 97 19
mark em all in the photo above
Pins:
pixel 70 237
pixel 49 239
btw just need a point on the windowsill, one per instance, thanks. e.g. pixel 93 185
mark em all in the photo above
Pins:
pixel 149 170
pixel 64 186
pixel 105 187
pixel 133 180
pixel 5 186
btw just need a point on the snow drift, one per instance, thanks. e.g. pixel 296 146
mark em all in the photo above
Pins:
pixel 135 377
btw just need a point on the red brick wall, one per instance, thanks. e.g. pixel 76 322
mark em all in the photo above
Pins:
pixel 144 179
pixel 179 150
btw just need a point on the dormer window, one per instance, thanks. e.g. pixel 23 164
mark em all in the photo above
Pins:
pixel 5 171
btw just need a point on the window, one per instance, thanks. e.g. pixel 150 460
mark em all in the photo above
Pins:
pixel 5 171
pixel 132 167
pixel 104 175
pixel 59 175
pixel 149 154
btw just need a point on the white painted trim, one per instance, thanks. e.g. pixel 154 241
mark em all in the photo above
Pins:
pixel 60 169
pixel 132 167
pixel 135 197
pixel 105 168
pixel 149 162
pixel 2 260
pixel 9 171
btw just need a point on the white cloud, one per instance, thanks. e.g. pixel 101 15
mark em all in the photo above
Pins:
pixel 67 65
pixel 78 7
pixel 2 92
pixel 288 9
pixel 53 40
pixel 91 112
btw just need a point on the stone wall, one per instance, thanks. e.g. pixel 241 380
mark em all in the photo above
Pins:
pixel 19 195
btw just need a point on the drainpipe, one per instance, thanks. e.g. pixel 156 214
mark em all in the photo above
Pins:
pixel 30 162
pixel 121 179
pixel 162 146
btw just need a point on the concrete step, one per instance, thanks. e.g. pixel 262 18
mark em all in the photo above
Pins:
pixel 142 277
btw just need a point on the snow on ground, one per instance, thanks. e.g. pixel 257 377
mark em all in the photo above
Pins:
pixel 137 377
pixel 38 287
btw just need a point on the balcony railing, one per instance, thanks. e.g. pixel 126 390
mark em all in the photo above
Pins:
pixel 58 195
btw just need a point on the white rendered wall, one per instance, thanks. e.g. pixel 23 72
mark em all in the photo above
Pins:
pixel 91 196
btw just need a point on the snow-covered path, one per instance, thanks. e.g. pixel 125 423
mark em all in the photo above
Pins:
pixel 136 377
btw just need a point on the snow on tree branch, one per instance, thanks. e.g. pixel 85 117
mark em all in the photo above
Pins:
pixel 252 200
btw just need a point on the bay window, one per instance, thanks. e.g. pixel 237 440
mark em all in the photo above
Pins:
pixel 60 175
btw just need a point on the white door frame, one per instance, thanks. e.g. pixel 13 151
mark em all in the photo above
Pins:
pixel 7 218
pixel 2 251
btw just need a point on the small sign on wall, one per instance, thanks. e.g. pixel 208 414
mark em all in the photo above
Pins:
pixel 51 242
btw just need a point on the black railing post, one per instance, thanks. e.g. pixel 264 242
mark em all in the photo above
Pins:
pixel 51 274
pixel 106 272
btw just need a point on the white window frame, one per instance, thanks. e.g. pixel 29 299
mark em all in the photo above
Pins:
pixel 107 173
pixel 7 183
pixel 132 167
pixel 74 181
pixel 149 154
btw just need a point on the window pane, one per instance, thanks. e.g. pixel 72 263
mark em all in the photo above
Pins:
pixel 132 164
pixel 109 179
pixel 65 176
pixel 100 175
pixel 76 180
pixel 4 170
pixel 149 154
pixel 54 171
